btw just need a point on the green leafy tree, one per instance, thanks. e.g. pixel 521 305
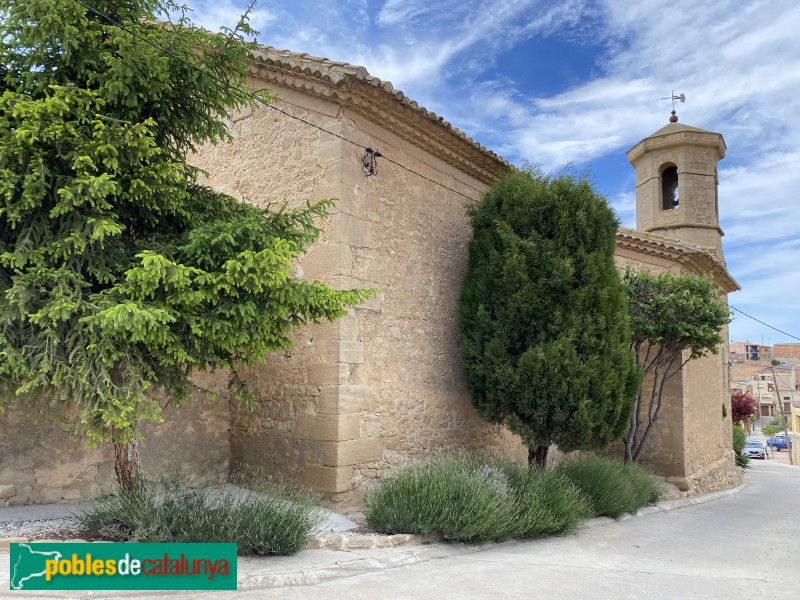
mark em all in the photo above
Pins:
pixel 739 440
pixel 543 315
pixel 674 319
pixel 120 273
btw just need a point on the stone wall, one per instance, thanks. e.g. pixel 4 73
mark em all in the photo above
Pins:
pixel 193 439
pixel 710 457
pixel 384 384
pixel 275 158
pixel 42 462
pixel 413 247
pixel 664 453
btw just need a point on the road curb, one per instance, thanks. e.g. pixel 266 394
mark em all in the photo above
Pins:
pixel 669 505
pixel 403 557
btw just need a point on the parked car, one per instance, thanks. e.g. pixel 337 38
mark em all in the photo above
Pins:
pixel 778 441
pixel 754 449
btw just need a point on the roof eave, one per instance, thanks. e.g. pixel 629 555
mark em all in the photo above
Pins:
pixel 694 258
pixel 354 88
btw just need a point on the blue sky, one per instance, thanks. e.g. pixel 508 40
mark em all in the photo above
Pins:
pixel 581 81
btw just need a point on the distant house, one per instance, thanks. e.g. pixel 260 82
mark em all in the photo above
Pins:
pixel 787 352
pixel 384 385
pixel 749 352
pixel 774 388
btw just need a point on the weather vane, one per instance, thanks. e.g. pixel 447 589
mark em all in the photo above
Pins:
pixel 674 118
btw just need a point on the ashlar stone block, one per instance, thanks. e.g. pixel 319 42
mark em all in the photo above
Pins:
pixel 346 399
pixel 342 351
pixel 351 230
pixel 329 150
pixel 328 479
pixel 327 373
pixel 352 452
pixel 333 428
pixel 346 328
pixel 328 259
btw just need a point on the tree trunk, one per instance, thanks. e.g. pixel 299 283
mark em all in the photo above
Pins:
pixel 538 456
pixel 128 465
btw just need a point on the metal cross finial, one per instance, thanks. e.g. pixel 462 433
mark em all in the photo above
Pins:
pixel 673 97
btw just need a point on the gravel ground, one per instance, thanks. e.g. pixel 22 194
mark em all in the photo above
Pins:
pixel 44 529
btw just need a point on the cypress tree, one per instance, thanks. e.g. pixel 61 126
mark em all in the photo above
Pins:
pixel 543 315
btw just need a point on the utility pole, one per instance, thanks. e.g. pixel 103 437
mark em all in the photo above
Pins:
pixel 783 418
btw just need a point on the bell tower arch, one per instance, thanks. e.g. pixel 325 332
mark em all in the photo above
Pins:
pixel 676 184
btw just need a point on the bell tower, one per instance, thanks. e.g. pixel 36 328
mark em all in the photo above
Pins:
pixel 676 184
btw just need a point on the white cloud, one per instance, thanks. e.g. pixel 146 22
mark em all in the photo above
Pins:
pixel 398 12
pixel 624 204
pixel 226 13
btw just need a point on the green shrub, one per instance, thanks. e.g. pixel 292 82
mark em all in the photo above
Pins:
pixel 457 496
pixel 547 502
pixel 271 519
pixel 739 440
pixel 471 500
pixel 613 487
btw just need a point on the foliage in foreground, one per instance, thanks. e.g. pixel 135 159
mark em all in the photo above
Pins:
pixel 739 440
pixel 272 519
pixel 120 272
pixel 612 487
pixel 674 319
pixel 471 500
pixel 543 315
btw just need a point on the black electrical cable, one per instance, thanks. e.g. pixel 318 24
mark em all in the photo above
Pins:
pixel 762 322
pixel 254 97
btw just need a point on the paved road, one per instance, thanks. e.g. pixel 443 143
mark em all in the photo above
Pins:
pixel 745 545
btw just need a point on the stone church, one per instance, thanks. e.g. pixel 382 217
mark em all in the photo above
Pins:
pixel 384 385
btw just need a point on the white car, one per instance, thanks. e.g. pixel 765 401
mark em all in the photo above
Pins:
pixel 754 449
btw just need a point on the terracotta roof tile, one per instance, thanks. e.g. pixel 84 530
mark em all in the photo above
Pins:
pixel 342 73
